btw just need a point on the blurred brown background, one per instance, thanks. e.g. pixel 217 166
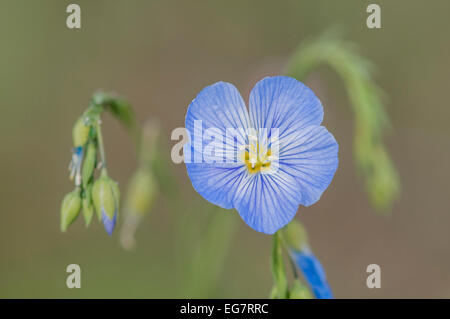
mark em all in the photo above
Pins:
pixel 160 54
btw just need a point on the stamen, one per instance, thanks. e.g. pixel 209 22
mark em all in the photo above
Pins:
pixel 257 158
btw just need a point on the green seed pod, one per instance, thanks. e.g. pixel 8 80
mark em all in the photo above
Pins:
pixel 88 205
pixel 299 291
pixel 295 235
pixel 141 192
pixel 103 195
pixel 80 133
pixel 89 163
pixel 70 208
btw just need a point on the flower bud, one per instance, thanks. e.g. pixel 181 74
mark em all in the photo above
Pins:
pixel 105 194
pixel 141 192
pixel 383 184
pixel 89 162
pixel 70 208
pixel 116 191
pixel 313 272
pixel 299 291
pixel 80 133
pixel 296 239
pixel 140 197
pixel 273 292
pixel 88 205
pixel 295 235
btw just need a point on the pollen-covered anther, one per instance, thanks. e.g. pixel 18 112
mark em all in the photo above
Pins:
pixel 257 159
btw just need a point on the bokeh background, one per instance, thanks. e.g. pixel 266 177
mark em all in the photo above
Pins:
pixel 160 54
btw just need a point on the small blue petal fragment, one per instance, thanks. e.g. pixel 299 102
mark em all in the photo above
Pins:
pixel 109 223
pixel 75 163
pixel 78 150
pixel 313 272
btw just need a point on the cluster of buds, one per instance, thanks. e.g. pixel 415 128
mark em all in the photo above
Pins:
pixel 100 196
pixel 95 192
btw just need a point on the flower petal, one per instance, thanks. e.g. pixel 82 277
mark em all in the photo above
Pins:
pixel 311 156
pixel 267 202
pixel 219 107
pixel 217 183
pixel 109 223
pixel 284 103
pixel 313 272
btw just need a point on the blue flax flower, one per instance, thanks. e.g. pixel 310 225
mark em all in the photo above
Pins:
pixel 282 156
pixel 313 272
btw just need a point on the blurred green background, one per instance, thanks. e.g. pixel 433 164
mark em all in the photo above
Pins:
pixel 160 54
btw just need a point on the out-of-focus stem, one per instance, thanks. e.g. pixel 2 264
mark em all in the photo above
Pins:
pixel 209 254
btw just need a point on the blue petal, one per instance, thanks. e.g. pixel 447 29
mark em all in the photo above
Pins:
pixel 311 156
pixel 267 202
pixel 109 223
pixel 313 272
pixel 284 103
pixel 219 106
pixel 216 183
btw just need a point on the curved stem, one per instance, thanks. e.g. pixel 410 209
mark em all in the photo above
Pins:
pixel 366 97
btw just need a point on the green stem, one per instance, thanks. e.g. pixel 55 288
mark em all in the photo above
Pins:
pixel 291 261
pixel 278 271
pixel 372 158
pixel 293 266
pixel 209 254
pixel 100 143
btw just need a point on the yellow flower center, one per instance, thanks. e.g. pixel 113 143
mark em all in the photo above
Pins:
pixel 256 159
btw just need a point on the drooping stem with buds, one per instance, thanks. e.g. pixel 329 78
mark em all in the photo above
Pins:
pixel 92 195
